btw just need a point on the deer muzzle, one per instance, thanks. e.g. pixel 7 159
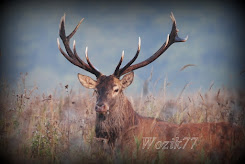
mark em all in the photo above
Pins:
pixel 102 108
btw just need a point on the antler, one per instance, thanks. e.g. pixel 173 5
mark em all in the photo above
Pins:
pixel 73 56
pixel 172 38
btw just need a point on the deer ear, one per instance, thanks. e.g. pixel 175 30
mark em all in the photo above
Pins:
pixel 86 81
pixel 127 79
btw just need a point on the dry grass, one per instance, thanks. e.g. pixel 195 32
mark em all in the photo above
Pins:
pixel 59 127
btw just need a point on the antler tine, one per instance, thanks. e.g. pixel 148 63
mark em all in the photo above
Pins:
pixel 116 72
pixel 75 30
pixel 120 71
pixel 70 56
pixel 76 55
pixel 172 38
pixel 89 63
pixel 79 59
pixel 65 55
pixel 175 31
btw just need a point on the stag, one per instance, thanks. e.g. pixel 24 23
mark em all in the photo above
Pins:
pixel 116 119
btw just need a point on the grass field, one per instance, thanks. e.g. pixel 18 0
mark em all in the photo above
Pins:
pixel 59 127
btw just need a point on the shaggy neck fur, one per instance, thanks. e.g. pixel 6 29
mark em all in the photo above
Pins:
pixel 121 116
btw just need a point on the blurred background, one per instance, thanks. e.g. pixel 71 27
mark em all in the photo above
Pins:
pixel 48 117
pixel 29 31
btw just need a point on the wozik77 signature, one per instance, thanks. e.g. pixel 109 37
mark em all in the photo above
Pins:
pixel 175 143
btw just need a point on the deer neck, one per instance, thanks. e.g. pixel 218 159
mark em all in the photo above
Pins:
pixel 124 109
pixel 121 117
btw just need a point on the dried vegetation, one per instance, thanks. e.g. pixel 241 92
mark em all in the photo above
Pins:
pixel 59 127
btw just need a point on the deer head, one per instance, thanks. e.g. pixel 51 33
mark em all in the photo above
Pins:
pixel 110 88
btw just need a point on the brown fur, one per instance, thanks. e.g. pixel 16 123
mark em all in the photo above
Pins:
pixel 122 125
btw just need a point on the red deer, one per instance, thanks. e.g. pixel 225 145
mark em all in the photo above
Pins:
pixel 116 119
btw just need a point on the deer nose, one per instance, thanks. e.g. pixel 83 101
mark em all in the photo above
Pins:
pixel 101 108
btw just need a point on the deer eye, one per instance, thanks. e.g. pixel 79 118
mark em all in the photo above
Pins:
pixel 116 90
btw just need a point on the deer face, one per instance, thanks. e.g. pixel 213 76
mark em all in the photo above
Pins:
pixel 107 89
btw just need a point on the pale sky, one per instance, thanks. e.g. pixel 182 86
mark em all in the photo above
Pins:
pixel 29 32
